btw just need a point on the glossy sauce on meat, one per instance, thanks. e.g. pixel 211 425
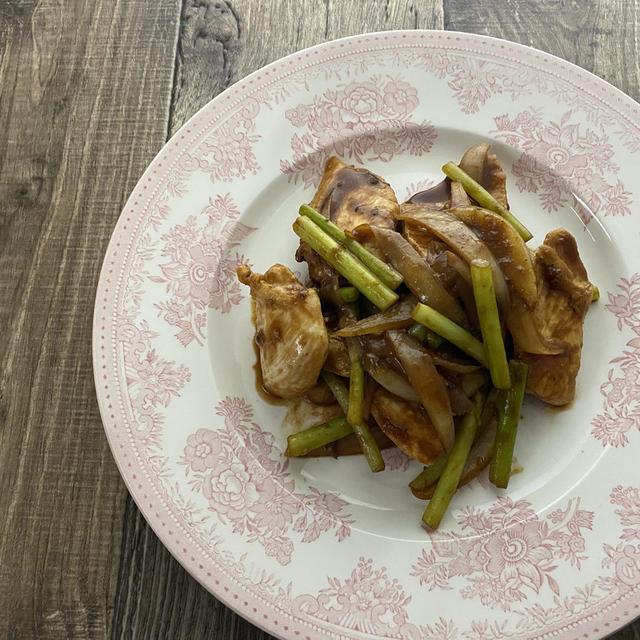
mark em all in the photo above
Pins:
pixel 440 193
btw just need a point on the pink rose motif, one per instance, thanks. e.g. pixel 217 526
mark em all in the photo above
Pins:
pixel 561 158
pixel 279 549
pixel 202 449
pixel 384 149
pixel 515 556
pixel 400 97
pixel 201 274
pixel 361 121
pixel 299 116
pixel 240 470
pixel 276 507
pixel 231 492
pixel 361 102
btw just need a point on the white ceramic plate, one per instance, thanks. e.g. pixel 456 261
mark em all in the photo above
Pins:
pixel 322 548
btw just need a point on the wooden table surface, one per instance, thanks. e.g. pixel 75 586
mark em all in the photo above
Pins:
pixel 89 93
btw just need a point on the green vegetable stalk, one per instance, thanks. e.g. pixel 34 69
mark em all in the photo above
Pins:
pixel 426 336
pixel 355 417
pixel 299 444
pixel 509 407
pixel 345 263
pixel 448 482
pixel 487 307
pixel 430 474
pixel 387 274
pixel 450 331
pixel 338 389
pixel 484 198
pixel 348 294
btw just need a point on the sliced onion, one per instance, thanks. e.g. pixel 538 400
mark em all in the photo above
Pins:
pixel 408 425
pixel 396 317
pixel 460 238
pixel 338 358
pixel 485 169
pixel 389 378
pixel 428 384
pixel 459 197
pixel 417 274
pixel 506 246
pixel 451 364
pixel 509 249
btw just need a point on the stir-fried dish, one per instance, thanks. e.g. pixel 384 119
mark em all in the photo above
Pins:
pixel 421 325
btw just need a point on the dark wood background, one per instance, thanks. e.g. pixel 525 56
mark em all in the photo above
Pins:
pixel 89 93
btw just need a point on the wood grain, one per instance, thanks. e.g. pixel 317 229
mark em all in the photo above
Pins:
pixel 219 45
pixel 84 103
pixel 599 35
pixel 88 94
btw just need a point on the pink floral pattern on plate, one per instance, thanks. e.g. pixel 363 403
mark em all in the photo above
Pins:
pixel 473 81
pixel 416 187
pixel 246 480
pixel 621 410
pixel 622 562
pixel 519 551
pixel 228 154
pixel 362 121
pixel 232 510
pixel 200 271
pixel 367 601
pixel 152 380
pixel 624 558
pixel 511 554
pixel 560 159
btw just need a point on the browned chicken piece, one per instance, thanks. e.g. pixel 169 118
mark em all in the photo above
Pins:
pixel 408 425
pixel 485 169
pixel 320 272
pixel 350 197
pixel 564 294
pixel 290 330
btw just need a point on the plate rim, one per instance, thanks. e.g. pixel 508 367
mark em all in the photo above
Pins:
pixel 173 546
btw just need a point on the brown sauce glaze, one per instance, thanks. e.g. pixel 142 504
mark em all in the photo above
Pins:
pixel 348 179
pixel 438 193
